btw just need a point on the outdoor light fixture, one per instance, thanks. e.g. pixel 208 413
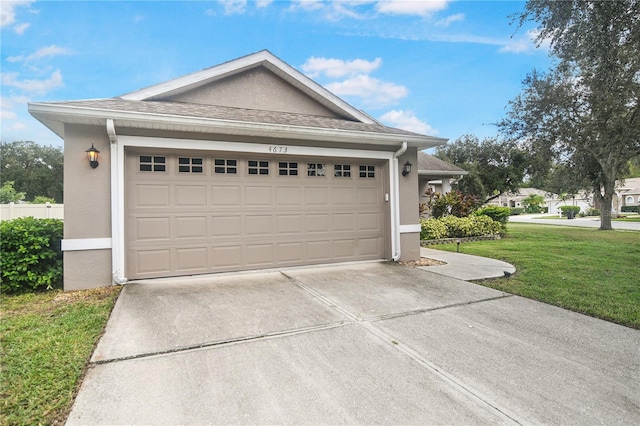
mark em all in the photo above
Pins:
pixel 92 153
pixel 406 169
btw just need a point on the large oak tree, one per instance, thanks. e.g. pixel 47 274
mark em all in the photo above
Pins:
pixel 585 110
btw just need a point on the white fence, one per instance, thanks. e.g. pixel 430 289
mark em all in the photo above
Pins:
pixel 39 211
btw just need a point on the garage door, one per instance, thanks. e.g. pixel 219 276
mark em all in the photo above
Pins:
pixel 193 213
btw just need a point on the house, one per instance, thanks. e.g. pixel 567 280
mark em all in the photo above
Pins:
pixel 627 193
pixel 435 175
pixel 552 202
pixel 245 165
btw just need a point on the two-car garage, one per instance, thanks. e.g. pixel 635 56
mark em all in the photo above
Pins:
pixel 193 212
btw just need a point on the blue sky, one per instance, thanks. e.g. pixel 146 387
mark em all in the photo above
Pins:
pixel 438 67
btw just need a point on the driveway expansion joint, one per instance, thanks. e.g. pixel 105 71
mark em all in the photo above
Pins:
pixel 222 343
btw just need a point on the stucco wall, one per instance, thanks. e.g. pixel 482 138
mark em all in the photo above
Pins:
pixel 255 89
pixel 87 209
pixel 409 214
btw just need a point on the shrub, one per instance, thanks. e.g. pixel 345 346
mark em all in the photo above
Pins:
pixel 630 209
pixel 432 229
pixel 459 227
pixel 516 211
pixel 499 214
pixel 30 255
pixel 41 199
pixel 452 203
pixel 566 209
pixel 593 212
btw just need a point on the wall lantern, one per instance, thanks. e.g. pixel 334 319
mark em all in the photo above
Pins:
pixel 92 153
pixel 406 169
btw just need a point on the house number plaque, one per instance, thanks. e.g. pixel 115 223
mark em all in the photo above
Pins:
pixel 277 149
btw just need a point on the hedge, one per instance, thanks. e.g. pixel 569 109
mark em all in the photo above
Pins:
pixel 566 209
pixel 459 227
pixel 630 209
pixel 30 255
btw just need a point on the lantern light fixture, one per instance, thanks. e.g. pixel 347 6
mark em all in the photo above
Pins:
pixel 406 169
pixel 92 154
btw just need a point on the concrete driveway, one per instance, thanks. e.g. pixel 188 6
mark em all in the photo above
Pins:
pixel 366 343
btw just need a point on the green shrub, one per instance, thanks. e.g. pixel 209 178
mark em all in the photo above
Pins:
pixel 432 229
pixel 566 209
pixel 499 214
pixel 630 209
pixel 593 212
pixel 41 199
pixel 30 255
pixel 452 203
pixel 459 227
pixel 516 211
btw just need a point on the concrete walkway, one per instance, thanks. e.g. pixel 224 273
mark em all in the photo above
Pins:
pixel 582 222
pixel 465 266
pixel 366 343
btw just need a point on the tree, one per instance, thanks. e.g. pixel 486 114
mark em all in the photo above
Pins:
pixel 8 194
pixel 34 169
pixel 494 166
pixel 585 110
pixel 533 203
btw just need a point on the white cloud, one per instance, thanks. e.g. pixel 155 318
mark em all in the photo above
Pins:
pixel 40 87
pixel 373 92
pixel 445 22
pixel 407 120
pixel 411 7
pixel 7 12
pixel 232 7
pixel 263 3
pixel 52 50
pixel 308 5
pixel 21 28
pixel 336 68
pixel 525 44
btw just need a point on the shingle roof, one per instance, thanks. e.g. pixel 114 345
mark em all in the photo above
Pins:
pixel 430 163
pixel 171 108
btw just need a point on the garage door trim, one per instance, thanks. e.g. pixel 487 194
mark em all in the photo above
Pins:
pixel 118 179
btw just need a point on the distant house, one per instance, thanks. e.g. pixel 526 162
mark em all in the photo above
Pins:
pixel 435 175
pixel 627 194
pixel 552 202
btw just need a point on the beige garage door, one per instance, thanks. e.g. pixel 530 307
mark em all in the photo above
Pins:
pixel 193 213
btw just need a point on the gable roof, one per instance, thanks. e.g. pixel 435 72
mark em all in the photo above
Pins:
pixel 265 59
pixel 151 108
pixel 430 165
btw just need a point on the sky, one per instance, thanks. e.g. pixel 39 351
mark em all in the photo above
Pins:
pixel 443 68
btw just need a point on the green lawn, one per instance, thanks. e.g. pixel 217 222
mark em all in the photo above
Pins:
pixel 585 270
pixel 46 341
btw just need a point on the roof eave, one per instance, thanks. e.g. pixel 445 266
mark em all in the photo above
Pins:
pixel 55 116
pixel 443 172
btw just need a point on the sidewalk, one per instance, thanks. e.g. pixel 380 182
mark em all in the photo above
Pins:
pixel 465 266
pixel 584 222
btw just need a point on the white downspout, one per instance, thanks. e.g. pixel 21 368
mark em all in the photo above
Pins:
pixel 116 239
pixel 395 208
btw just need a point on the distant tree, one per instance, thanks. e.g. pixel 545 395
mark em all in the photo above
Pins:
pixel 34 169
pixel 494 166
pixel 586 109
pixel 533 203
pixel 8 194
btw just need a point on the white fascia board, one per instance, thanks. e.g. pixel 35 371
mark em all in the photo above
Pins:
pixel 77 244
pixel 264 57
pixel 442 173
pixel 44 111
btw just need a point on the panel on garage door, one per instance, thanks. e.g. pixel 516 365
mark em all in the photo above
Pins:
pixel 193 213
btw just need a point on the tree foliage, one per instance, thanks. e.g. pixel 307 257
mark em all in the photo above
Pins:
pixel 8 193
pixel 34 169
pixel 494 166
pixel 583 112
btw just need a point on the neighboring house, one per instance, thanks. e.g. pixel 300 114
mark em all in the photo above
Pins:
pixel 245 165
pixel 551 201
pixel 627 193
pixel 435 175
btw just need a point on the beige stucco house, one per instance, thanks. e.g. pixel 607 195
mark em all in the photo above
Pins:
pixel 245 165
pixel 435 175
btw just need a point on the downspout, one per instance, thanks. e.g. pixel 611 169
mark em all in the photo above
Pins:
pixel 395 208
pixel 116 243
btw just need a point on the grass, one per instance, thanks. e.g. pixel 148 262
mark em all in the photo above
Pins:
pixel 585 270
pixel 46 341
